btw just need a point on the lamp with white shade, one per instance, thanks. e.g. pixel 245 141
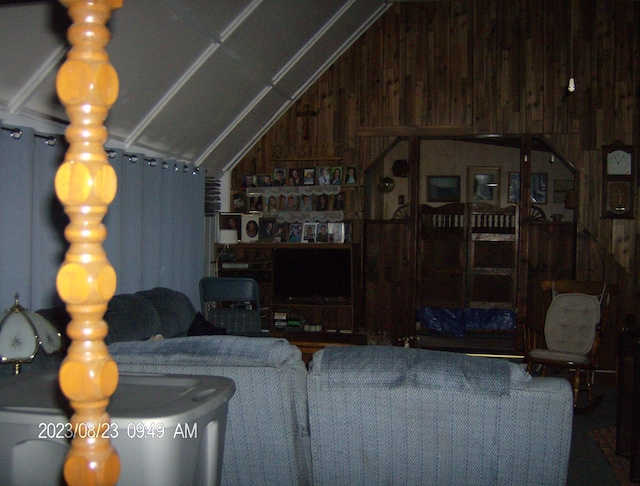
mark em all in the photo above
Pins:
pixel 22 332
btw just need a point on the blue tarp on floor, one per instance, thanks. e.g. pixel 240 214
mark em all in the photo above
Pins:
pixel 455 322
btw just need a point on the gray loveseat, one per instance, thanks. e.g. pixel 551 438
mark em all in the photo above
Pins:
pixel 359 415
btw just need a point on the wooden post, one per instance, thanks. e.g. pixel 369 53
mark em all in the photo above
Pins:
pixel 85 183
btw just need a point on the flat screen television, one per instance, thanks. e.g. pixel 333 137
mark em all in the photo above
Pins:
pixel 311 275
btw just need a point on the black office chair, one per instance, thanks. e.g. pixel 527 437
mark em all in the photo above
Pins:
pixel 232 303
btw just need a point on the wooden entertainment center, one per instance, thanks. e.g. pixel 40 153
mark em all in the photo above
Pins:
pixel 318 316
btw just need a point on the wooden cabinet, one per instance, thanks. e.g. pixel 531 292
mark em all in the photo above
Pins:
pixel 327 311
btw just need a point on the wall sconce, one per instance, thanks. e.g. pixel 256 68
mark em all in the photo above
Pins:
pixel 21 332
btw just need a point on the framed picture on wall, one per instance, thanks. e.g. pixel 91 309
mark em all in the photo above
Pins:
pixel 560 189
pixel 443 188
pixel 483 185
pixel 539 187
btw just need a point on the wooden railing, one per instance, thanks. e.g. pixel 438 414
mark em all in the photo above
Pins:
pixel 85 183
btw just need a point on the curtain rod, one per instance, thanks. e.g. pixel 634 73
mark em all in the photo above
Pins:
pixel 152 162
pixel 51 140
pixel 16 133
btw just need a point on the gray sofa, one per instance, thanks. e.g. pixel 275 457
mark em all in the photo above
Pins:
pixel 374 415
pixel 359 415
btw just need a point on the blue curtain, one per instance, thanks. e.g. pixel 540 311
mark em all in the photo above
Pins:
pixel 155 225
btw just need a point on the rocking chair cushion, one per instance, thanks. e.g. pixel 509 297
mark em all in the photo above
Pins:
pixel 570 326
pixel 549 355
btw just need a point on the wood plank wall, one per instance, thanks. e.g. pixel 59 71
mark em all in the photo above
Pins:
pixel 492 66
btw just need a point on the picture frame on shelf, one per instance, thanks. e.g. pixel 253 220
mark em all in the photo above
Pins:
pixel 443 188
pixel 255 203
pixel 273 204
pixel 265 180
pixel 231 221
pixel 309 232
pixel 538 187
pixel 350 175
pixel 336 234
pixel 267 229
pixel 514 188
pixel 483 185
pixel 336 176
pixel 560 189
pixel 249 180
pixel 309 176
pixel 289 202
pixel 240 202
pixel 295 233
pixel 282 233
pixel 323 175
pixel 306 202
pixel 250 227
pixel 322 233
pixel 322 202
pixel 338 201
pixel 295 177
pixel 279 177
pixel 346 231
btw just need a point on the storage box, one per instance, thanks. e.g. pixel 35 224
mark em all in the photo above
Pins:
pixel 167 429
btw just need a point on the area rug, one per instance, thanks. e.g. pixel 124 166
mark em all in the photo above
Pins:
pixel 606 440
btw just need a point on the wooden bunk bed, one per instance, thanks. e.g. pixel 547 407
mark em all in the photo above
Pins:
pixel 467 271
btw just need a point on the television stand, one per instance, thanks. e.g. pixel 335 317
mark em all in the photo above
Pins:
pixel 256 260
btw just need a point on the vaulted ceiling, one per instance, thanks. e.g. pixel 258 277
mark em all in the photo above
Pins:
pixel 200 80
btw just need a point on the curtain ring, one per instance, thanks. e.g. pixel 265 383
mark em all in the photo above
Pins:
pixel 185 168
pixel 51 140
pixel 16 133
pixel 152 162
pixel 165 164
pixel 133 158
pixel 111 154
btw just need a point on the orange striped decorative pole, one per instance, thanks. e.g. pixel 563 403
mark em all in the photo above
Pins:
pixel 87 85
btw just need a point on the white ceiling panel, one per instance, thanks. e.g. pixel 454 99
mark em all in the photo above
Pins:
pixel 201 109
pixel 200 80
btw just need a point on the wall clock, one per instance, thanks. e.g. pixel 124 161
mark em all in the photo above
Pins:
pixel 618 172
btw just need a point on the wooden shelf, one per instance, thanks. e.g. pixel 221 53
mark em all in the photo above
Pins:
pixel 255 260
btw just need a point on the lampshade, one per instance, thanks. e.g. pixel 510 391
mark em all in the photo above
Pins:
pixel 21 332
pixel 228 237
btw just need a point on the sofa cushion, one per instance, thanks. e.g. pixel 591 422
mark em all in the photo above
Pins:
pixel 393 366
pixel 174 308
pixel 267 439
pixel 434 419
pixel 131 317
